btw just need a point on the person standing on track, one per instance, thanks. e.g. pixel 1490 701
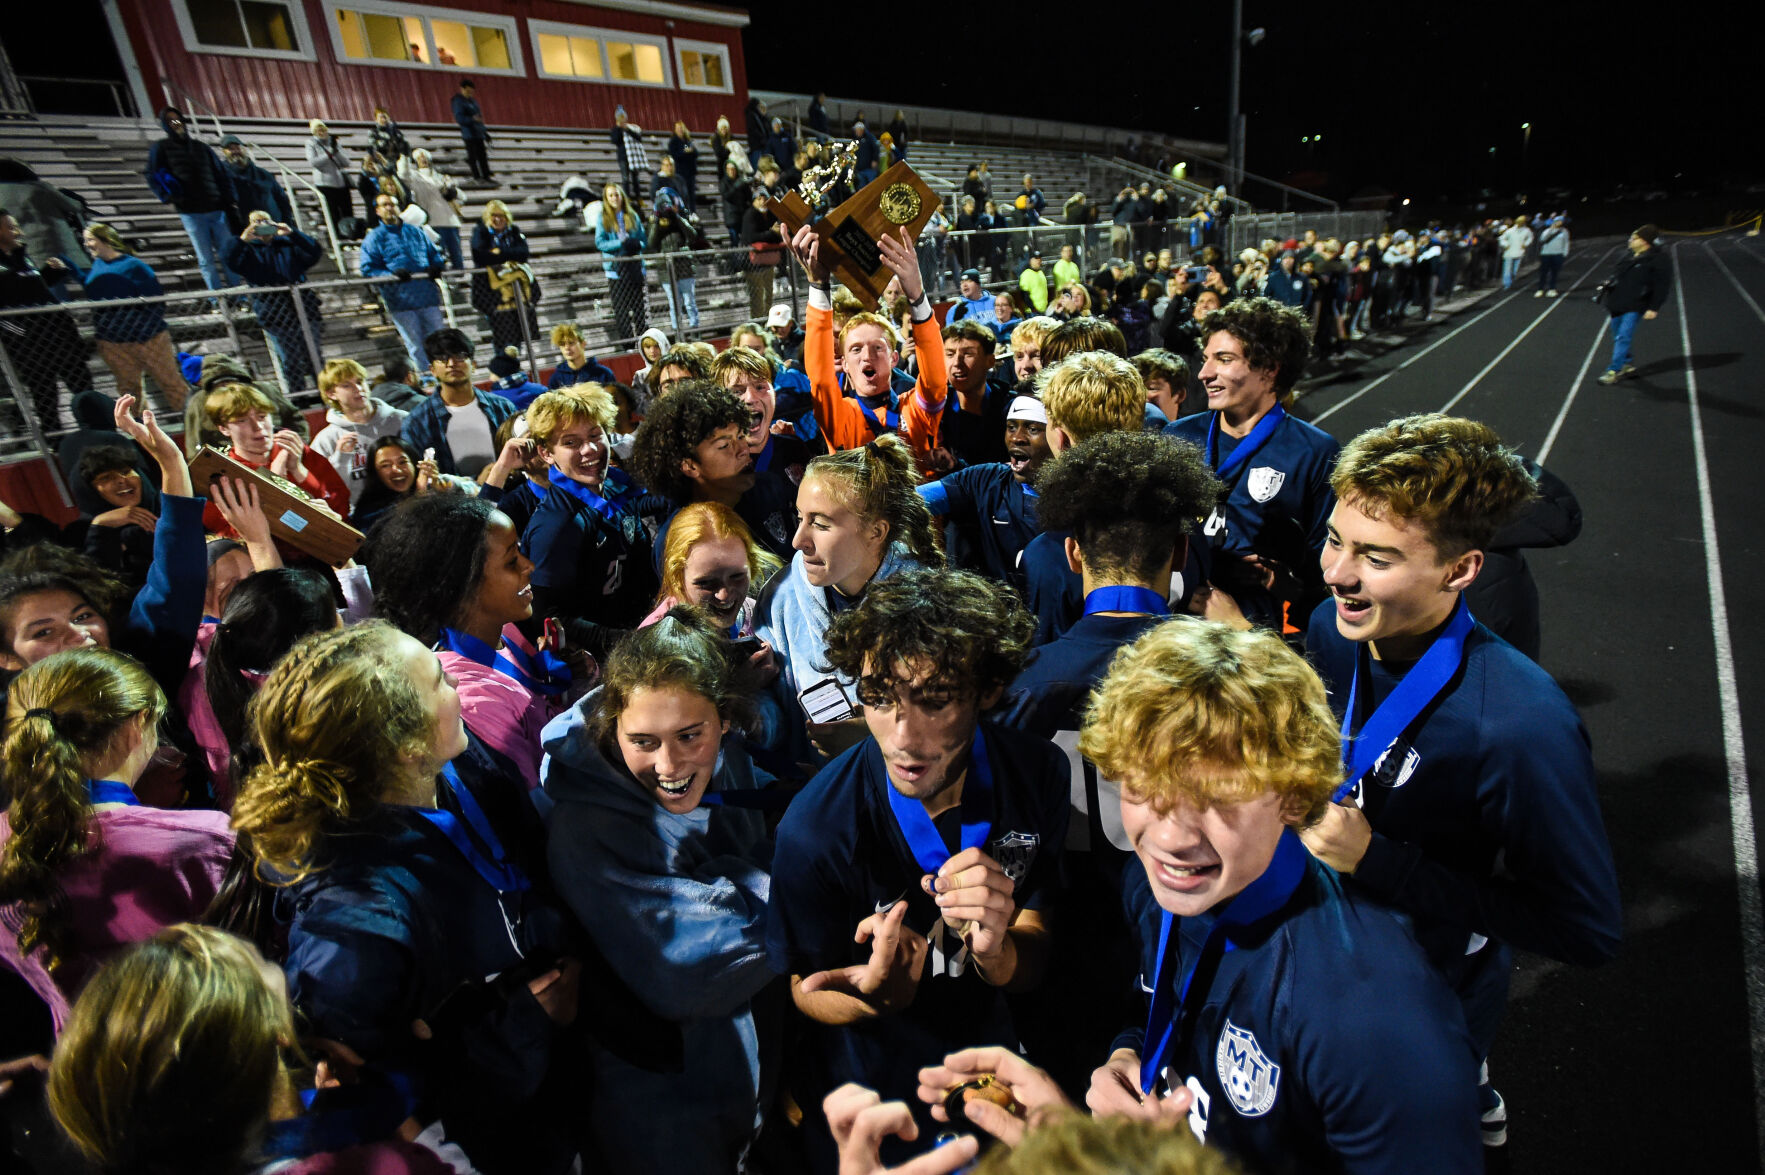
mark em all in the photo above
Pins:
pixel 1470 803
pixel 1635 291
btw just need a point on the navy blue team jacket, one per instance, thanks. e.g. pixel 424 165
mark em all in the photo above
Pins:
pixel 1325 1042
pixel 993 512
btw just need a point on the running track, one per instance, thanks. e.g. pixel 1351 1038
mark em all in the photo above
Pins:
pixel 1649 625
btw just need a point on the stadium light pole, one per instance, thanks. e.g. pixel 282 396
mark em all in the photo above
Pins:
pixel 1234 118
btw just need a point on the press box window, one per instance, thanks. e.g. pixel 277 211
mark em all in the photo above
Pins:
pixel 630 62
pixel 599 55
pixel 562 55
pixel 703 66
pixel 388 35
pixel 271 28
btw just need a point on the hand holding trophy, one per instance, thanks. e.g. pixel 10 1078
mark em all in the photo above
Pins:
pixel 894 204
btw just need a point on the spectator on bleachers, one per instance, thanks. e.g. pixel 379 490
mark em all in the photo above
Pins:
pixel 1007 316
pixel 897 131
pixel 818 114
pixel 724 146
pixel 399 384
pixel 578 365
pixel 186 173
pixel 736 193
pixel 869 152
pixel 46 347
pixel 270 253
pixel 330 171
pixel 628 148
pixel 1121 218
pixel 378 176
pixel 132 339
pixel 779 143
pixel 787 336
pixel 677 232
pixel 758 127
pixel 1030 201
pixel 760 236
pixel 686 161
pixel 1074 302
pixel 975 304
pixel 386 139
pixel 1033 282
pixel 621 238
pixel 503 287
pixel 472 129
pixel 396 249
pixel 459 422
pixel 1066 270
pixel 253 187
pixel 438 196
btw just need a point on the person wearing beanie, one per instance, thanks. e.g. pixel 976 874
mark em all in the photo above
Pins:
pixel 512 381
pixel 1635 291
pixel 186 173
pixel 628 148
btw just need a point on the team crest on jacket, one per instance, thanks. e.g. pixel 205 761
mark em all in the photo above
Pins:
pixel 1397 764
pixel 1015 852
pixel 1264 482
pixel 1247 1075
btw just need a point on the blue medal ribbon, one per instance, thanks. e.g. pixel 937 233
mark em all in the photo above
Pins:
pixel 1171 1007
pixel 1259 436
pixel 109 791
pixel 977 813
pixel 891 414
pixel 763 459
pixel 543 674
pixel 589 498
pixel 1123 598
pixel 501 874
pixel 1415 693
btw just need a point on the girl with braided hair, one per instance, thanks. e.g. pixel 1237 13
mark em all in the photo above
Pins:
pixel 85 867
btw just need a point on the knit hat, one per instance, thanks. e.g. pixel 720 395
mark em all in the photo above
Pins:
pixel 1650 233
pixel 971 275
pixel 231 140
pixel 505 363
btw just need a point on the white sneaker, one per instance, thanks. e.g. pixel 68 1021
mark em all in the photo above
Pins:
pixel 1538 293
pixel 1495 1123
pixel 1550 293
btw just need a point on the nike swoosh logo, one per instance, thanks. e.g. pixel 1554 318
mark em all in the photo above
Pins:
pixel 885 907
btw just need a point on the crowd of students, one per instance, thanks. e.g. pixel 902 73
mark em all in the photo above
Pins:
pixel 790 764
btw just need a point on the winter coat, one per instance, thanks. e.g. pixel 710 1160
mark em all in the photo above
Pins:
pixel 389 249
pixel 330 165
pixel 259 191
pixel 426 186
pixel 187 174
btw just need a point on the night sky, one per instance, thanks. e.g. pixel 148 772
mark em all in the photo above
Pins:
pixel 1406 102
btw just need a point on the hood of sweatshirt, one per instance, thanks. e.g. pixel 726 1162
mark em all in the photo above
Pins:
pixel 382 414
pixel 655 336
pixel 165 124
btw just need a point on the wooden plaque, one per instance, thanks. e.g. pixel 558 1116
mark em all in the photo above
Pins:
pixel 294 518
pixel 894 200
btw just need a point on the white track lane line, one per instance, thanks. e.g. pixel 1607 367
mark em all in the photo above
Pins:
pixel 1738 288
pixel 1740 795
pixel 1505 351
pixel 1550 439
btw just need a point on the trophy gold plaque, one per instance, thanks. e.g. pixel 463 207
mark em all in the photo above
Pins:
pixel 895 200
pixel 294 517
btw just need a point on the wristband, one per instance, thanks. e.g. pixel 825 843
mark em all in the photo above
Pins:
pixel 921 311
pixel 820 297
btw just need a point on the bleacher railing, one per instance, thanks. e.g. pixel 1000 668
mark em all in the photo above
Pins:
pixel 1249 232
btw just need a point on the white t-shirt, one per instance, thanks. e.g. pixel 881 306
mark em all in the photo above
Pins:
pixel 469 437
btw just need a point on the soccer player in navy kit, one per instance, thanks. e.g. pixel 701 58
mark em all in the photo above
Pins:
pixel 974 414
pixel 1126 501
pixel 693 447
pixel 993 507
pixel 912 874
pixel 1274 466
pixel 1297 1023
pixel 1474 808
pixel 590 552
pixel 1084 395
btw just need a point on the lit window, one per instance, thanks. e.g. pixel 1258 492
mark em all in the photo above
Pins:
pixel 568 56
pixel 702 65
pixel 425 37
pixel 635 63
pixel 599 55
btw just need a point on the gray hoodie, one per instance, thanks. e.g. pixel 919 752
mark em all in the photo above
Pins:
pixel 677 904
pixel 353 467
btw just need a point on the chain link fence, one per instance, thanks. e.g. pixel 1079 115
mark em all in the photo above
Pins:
pixel 1250 231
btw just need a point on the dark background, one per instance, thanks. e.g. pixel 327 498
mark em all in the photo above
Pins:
pixel 1407 99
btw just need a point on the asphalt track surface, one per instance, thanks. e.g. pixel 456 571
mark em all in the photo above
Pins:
pixel 1654 1059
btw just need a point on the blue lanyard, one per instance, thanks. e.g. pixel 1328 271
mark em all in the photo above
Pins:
pixel 1256 901
pixel 763 459
pixel 1415 693
pixel 109 791
pixel 1122 598
pixel 542 674
pixel 1259 436
pixel 502 875
pixel 891 414
pixel 977 813
pixel 605 508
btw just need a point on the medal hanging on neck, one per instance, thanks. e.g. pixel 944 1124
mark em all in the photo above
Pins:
pixel 541 673
pixel 891 414
pixel 109 791
pixel 1125 598
pixel 489 861
pixel 1171 1018
pixel 1425 681
pixel 1227 471
pixel 922 835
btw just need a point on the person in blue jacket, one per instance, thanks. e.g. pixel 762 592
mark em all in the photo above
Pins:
pixel 472 129
pixel 656 847
pixel 269 253
pixel 131 339
pixel 1294 1023
pixel 1268 527
pixel 418 940
pixel 1473 808
pixel 404 251
pixel 620 237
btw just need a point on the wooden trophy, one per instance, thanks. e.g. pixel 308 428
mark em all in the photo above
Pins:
pixel 294 517
pixel 894 200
